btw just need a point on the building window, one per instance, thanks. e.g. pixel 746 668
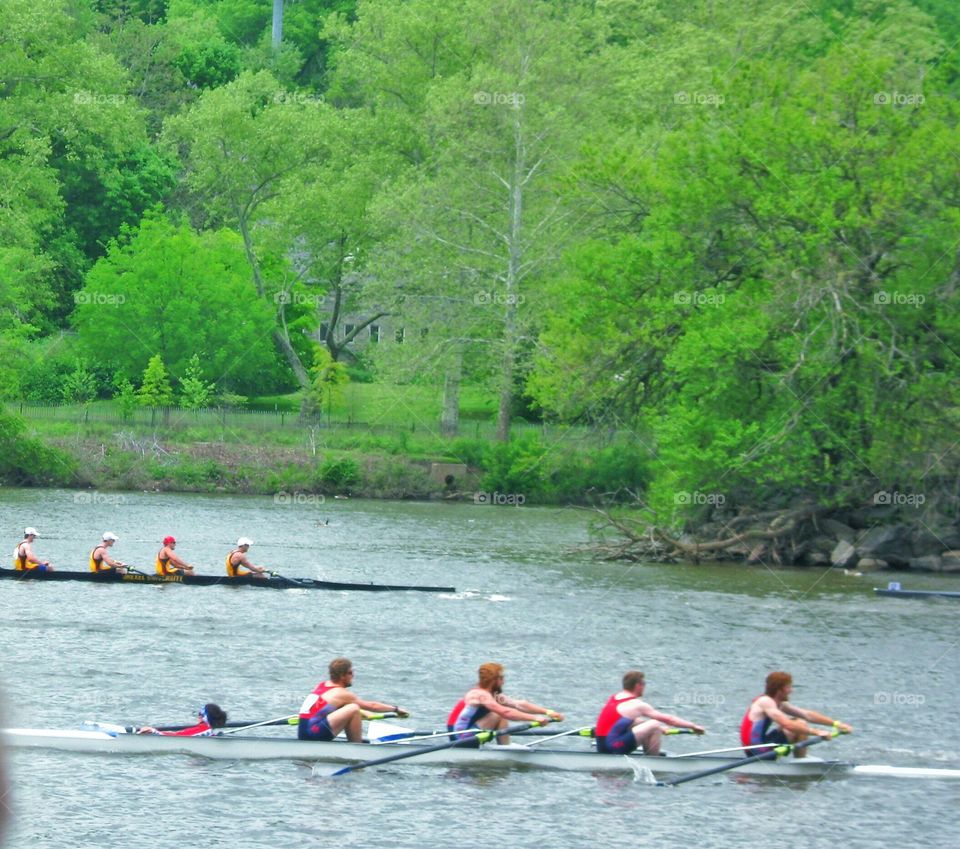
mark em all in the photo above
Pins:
pixel 374 332
pixel 347 330
pixel 324 330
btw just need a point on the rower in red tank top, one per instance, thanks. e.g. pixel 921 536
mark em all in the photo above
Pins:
pixel 332 708
pixel 772 719
pixel 627 722
pixel 485 706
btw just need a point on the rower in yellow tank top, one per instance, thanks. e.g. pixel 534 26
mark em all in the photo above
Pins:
pixel 239 566
pixel 24 560
pixel 167 561
pixel 100 561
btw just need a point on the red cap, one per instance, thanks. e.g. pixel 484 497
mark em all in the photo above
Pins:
pixel 168 540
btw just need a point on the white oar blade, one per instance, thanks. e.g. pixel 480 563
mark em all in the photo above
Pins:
pixel 379 730
pixel 907 772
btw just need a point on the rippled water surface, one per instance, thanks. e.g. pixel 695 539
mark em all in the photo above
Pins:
pixel 565 627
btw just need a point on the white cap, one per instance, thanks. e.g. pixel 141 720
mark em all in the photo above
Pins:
pixel 244 541
pixel 31 532
pixel 107 535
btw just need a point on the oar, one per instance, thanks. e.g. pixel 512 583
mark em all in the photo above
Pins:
pixel 280 720
pixel 586 731
pixel 481 735
pixel 738 762
pixel 716 751
pixel 297 582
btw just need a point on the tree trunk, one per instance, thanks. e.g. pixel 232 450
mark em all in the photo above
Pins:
pixel 514 257
pixel 277 23
pixel 450 419
pixel 280 334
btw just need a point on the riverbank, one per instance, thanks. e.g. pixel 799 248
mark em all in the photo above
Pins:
pixel 860 540
pixel 559 466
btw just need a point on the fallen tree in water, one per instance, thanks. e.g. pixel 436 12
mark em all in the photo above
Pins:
pixel 865 539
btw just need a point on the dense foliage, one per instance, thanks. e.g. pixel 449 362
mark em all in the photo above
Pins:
pixel 727 229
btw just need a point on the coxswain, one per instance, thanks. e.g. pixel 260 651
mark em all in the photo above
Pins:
pixel 211 716
pixel 167 561
pixel 485 706
pixel 239 565
pixel 772 719
pixel 332 708
pixel 24 560
pixel 100 561
pixel 627 722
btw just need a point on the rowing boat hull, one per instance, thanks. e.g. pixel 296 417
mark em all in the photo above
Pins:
pixel 211 581
pixel 279 748
pixel 917 593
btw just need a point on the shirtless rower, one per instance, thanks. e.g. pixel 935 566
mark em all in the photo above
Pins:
pixel 485 706
pixel 100 561
pixel 24 560
pixel 332 708
pixel 239 565
pixel 167 561
pixel 772 719
pixel 627 722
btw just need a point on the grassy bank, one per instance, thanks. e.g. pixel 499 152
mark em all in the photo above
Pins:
pixel 539 466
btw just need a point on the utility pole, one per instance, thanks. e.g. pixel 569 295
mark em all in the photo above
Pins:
pixel 277 24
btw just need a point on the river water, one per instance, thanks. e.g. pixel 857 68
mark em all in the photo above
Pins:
pixel 564 626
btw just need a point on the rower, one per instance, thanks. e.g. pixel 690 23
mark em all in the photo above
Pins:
pixel 627 722
pixel 772 719
pixel 167 561
pixel 24 560
pixel 211 716
pixel 485 706
pixel 239 566
pixel 332 708
pixel 100 561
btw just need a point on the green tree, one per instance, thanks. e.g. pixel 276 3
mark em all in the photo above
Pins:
pixel 482 215
pixel 125 397
pixel 166 289
pixel 80 386
pixel 249 154
pixel 781 296
pixel 328 381
pixel 155 390
pixel 195 392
